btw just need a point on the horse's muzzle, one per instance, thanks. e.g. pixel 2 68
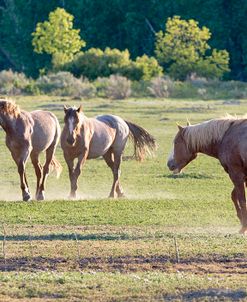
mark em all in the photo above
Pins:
pixel 70 141
pixel 173 167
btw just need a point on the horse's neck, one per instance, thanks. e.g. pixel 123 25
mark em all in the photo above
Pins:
pixel 210 149
pixel 8 124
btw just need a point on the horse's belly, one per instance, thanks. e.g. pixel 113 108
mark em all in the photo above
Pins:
pixel 99 148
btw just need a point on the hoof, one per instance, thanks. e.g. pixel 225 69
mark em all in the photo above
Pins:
pixel 72 196
pixel 26 197
pixel 40 196
pixel 121 195
pixel 243 231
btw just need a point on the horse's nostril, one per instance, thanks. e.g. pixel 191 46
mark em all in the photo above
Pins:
pixel 70 141
pixel 171 165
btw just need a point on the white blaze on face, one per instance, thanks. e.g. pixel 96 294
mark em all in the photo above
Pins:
pixel 71 124
pixel 171 156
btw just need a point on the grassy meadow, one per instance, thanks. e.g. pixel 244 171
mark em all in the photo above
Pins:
pixel 171 238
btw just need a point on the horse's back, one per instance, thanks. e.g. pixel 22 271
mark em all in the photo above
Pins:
pixel 115 122
pixel 46 129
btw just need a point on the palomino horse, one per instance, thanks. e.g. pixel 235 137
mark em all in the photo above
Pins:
pixel 225 139
pixel 30 133
pixel 106 135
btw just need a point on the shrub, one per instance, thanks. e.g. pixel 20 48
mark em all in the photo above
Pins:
pixel 65 84
pixel 143 68
pixel 13 82
pixel 117 87
pixel 161 87
pixel 95 63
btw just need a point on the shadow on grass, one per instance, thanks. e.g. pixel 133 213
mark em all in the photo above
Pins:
pixel 190 175
pixel 209 295
pixel 70 236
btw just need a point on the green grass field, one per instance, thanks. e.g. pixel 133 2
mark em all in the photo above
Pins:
pixel 171 238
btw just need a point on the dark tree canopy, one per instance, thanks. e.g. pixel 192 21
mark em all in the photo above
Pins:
pixel 122 24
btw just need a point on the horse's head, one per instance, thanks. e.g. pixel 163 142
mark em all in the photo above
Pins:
pixel 181 154
pixel 9 107
pixel 73 121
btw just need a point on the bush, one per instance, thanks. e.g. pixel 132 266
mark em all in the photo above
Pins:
pixel 65 84
pixel 13 82
pixel 143 68
pixel 117 87
pixel 161 87
pixel 95 63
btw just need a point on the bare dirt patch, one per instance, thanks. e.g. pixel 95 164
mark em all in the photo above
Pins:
pixel 126 264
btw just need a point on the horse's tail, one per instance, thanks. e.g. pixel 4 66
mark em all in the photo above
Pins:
pixel 56 166
pixel 144 143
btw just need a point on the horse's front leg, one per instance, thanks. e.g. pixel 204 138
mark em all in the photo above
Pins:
pixel 77 171
pixel 70 165
pixel 21 163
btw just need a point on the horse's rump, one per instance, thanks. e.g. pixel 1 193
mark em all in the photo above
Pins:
pixel 46 130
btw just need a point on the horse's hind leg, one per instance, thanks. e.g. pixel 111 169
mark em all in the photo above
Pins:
pixel 38 170
pixel 236 204
pixel 49 155
pixel 115 167
pixel 238 179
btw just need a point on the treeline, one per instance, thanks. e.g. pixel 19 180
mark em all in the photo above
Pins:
pixel 121 24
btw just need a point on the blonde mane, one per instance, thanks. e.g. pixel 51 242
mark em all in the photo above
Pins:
pixel 9 107
pixel 208 132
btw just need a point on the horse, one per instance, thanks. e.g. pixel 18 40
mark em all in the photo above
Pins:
pixel 105 135
pixel 224 139
pixel 29 134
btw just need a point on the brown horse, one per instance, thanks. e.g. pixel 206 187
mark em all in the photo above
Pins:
pixel 30 133
pixel 106 135
pixel 225 139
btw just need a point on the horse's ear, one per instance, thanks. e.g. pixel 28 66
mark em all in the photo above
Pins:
pixel 80 109
pixel 188 123
pixel 65 108
pixel 180 127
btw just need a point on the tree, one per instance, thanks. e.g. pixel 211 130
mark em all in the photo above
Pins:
pixel 183 48
pixel 57 37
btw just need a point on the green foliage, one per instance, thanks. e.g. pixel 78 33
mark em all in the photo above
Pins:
pixel 95 63
pixel 122 24
pixel 143 68
pixel 57 37
pixel 214 66
pixel 182 49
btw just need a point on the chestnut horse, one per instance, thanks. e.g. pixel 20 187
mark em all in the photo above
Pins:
pixel 30 133
pixel 225 139
pixel 106 135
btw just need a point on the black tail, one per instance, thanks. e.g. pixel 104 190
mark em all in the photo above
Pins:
pixel 144 143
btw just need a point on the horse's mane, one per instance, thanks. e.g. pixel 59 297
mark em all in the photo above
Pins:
pixel 211 131
pixel 9 107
